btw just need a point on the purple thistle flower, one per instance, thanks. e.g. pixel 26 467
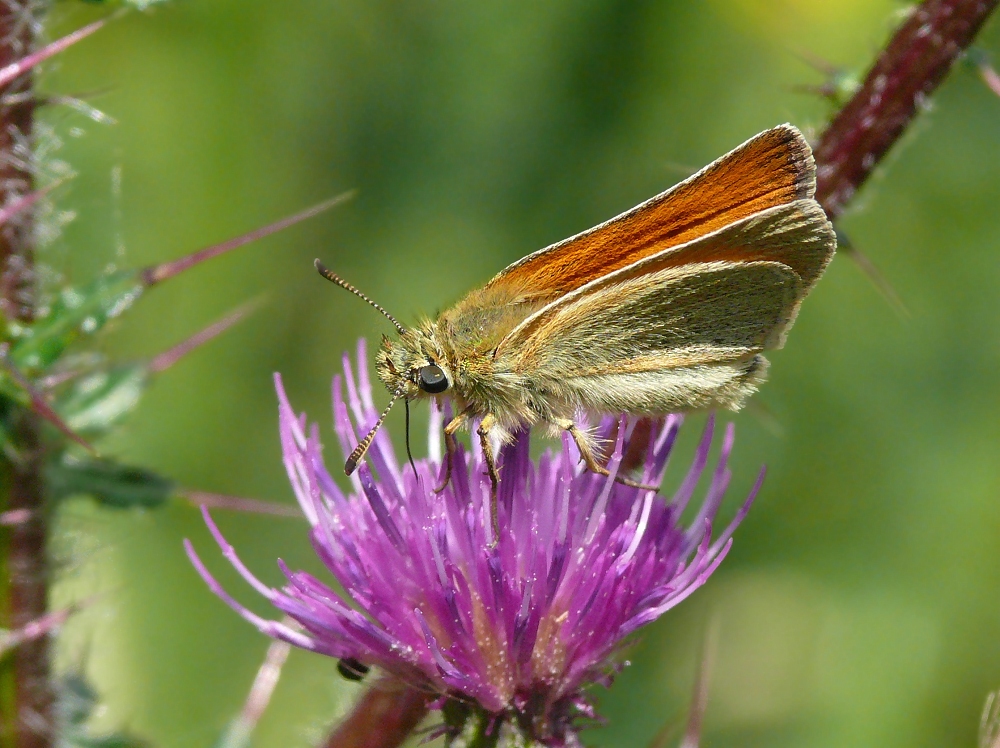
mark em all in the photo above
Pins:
pixel 512 631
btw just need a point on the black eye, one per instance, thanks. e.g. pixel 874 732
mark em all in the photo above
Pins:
pixel 432 379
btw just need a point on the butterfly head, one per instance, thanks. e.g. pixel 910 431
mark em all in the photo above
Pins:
pixel 414 365
pixel 410 367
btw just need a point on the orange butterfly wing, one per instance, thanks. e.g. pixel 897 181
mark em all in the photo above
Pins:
pixel 773 168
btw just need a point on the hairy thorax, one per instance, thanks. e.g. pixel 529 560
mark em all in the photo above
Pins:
pixel 462 342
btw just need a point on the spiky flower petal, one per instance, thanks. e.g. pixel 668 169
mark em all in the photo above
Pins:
pixel 518 626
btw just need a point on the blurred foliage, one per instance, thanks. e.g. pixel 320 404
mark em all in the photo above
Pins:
pixel 77 702
pixel 859 605
pixel 108 482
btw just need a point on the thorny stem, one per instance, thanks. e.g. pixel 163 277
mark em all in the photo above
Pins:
pixel 26 698
pixel 916 59
pixel 17 30
pixel 383 717
pixel 912 65
pixel 27 711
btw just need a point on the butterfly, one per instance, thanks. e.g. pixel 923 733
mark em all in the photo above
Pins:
pixel 664 308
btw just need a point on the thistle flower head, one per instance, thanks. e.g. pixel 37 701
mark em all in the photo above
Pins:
pixel 509 629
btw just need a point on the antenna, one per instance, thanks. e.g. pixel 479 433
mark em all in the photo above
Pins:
pixel 359 451
pixel 334 278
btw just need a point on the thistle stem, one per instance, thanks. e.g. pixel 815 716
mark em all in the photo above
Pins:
pixel 27 707
pixel 912 65
pixel 16 119
pixel 26 697
pixel 383 717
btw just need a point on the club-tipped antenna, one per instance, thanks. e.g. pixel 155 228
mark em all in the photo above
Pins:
pixel 359 451
pixel 334 278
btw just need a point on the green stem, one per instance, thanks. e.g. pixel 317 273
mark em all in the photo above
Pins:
pixel 471 727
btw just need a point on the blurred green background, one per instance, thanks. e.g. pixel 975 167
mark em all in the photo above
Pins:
pixel 861 602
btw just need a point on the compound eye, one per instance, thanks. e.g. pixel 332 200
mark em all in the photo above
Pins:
pixel 431 379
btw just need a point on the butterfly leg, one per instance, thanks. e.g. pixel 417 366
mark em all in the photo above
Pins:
pixel 586 448
pixel 450 445
pixel 491 464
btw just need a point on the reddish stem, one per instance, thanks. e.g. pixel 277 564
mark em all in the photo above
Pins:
pixel 383 717
pixel 16 120
pixel 27 697
pixel 919 55
pixel 27 716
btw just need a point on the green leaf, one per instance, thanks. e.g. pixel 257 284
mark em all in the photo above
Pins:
pixel 99 400
pixel 76 702
pixel 109 482
pixel 75 313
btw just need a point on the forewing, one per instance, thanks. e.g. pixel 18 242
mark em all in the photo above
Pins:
pixel 774 168
pixel 673 317
pixel 798 235
pixel 781 252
